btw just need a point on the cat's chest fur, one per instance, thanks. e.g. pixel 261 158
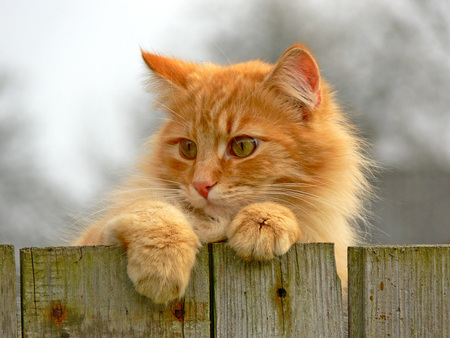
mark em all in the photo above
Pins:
pixel 208 229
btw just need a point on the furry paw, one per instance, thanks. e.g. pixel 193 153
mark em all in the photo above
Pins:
pixel 262 230
pixel 161 273
pixel 161 249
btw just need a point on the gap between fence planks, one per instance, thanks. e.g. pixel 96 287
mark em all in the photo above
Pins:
pixel 74 291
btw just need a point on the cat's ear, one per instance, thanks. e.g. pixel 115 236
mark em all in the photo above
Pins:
pixel 173 70
pixel 297 75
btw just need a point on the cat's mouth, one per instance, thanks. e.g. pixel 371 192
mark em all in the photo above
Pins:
pixel 213 207
pixel 219 202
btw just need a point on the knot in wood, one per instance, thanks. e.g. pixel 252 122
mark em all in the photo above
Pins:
pixel 179 312
pixel 58 314
pixel 281 293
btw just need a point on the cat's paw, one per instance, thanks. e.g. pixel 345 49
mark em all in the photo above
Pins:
pixel 262 230
pixel 160 273
pixel 161 253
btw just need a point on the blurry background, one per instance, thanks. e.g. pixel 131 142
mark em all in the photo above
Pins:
pixel 73 111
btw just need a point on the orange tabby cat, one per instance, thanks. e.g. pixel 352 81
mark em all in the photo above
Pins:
pixel 256 154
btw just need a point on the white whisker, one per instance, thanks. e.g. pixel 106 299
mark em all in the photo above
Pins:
pixel 302 194
pixel 169 110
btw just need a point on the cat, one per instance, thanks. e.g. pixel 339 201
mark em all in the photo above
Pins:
pixel 256 154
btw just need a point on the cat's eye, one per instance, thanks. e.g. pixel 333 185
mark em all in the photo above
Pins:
pixel 188 149
pixel 243 146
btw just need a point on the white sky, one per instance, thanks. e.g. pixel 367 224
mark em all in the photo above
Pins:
pixel 79 64
pixel 78 67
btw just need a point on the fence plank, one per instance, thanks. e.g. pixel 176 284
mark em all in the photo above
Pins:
pixel 400 291
pixel 74 291
pixel 295 295
pixel 8 305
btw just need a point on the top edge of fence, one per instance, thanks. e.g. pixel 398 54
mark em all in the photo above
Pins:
pixel 394 246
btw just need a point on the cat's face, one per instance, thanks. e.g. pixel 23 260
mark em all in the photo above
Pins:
pixel 223 146
pixel 236 135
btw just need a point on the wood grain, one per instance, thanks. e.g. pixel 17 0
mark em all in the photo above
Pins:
pixel 79 291
pixel 8 305
pixel 295 295
pixel 399 291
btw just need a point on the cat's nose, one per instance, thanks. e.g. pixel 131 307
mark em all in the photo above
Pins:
pixel 203 187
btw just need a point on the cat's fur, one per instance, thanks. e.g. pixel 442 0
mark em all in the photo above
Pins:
pixel 303 183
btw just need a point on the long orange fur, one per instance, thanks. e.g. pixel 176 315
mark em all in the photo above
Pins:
pixel 304 182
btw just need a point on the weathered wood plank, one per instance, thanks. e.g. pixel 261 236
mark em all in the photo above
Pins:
pixel 8 304
pixel 400 291
pixel 295 295
pixel 78 291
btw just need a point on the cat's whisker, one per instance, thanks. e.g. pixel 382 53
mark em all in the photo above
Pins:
pixel 282 201
pixel 322 186
pixel 137 190
pixel 223 53
pixel 259 195
pixel 128 201
pixel 164 180
pixel 151 181
pixel 304 195
pixel 182 125
pixel 298 184
pixel 240 195
pixel 295 197
pixel 253 93
pixel 159 103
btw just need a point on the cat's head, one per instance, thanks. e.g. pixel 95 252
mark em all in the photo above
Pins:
pixel 247 132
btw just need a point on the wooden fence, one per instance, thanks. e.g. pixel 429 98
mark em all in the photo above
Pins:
pixel 85 292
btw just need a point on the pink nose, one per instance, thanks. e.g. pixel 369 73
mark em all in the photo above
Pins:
pixel 203 187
